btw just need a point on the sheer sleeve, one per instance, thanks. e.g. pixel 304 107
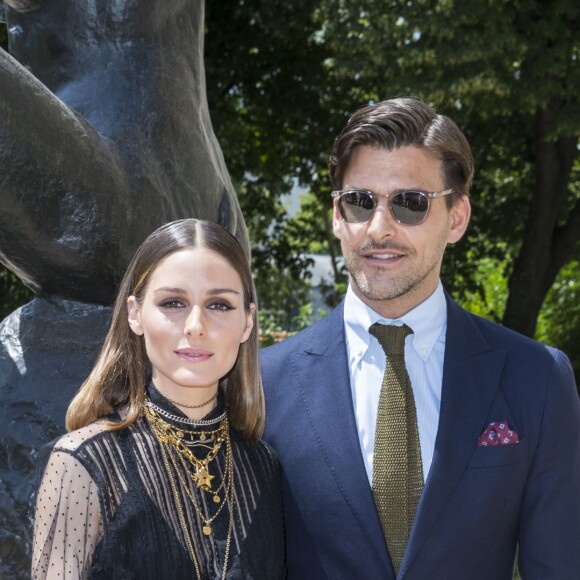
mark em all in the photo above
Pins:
pixel 68 522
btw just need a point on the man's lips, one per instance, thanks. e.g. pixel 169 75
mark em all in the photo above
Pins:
pixel 382 256
pixel 385 254
pixel 194 354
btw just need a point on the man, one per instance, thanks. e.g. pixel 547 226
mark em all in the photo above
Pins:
pixel 492 418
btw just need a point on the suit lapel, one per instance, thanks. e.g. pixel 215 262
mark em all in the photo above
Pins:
pixel 471 376
pixel 324 380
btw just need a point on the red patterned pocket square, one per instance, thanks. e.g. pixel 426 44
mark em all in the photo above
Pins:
pixel 498 433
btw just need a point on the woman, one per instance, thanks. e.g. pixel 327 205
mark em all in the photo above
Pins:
pixel 162 473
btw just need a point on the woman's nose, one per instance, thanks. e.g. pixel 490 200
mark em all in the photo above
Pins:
pixel 195 324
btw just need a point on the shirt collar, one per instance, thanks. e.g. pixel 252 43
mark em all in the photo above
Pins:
pixel 428 321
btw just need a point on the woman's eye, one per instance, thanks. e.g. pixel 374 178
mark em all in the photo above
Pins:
pixel 171 304
pixel 220 305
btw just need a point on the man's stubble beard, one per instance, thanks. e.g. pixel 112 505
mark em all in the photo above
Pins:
pixel 387 287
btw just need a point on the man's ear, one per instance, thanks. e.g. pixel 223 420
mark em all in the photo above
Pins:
pixel 336 222
pixel 134 315
pixel 460 214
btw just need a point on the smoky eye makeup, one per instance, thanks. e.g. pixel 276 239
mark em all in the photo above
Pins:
pixel 221 305
pixel 171 303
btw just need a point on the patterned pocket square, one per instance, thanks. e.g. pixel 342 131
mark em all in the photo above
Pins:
pixel 498 433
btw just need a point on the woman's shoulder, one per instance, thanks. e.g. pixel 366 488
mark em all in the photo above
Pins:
pixel 257 447
pixel 74 440
pixel 267 449
pixel 94 432
pixel 94 448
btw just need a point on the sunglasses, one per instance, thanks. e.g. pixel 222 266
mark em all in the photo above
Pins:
pixel 409 207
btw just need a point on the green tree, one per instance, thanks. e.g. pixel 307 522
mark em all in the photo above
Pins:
pixel 270 104
pixel 283 77
pixel 12 292
pixel 508 72
pixel 558 322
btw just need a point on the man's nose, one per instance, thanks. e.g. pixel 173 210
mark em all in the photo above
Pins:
pixel 382 223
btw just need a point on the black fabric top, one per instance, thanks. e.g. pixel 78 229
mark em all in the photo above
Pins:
pixel 106 509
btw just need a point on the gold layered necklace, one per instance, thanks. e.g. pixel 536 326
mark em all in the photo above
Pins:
pixel 177 450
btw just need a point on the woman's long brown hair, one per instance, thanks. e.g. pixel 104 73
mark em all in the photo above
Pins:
pixel 122 370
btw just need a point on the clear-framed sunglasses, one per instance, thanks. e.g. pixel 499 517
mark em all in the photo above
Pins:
pixel 409 207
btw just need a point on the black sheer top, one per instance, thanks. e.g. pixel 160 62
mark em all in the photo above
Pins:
pixel 106 509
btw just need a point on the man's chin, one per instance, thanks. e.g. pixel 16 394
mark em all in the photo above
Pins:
pixel 377 292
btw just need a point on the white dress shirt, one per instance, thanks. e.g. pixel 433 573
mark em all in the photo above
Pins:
pixel 424 352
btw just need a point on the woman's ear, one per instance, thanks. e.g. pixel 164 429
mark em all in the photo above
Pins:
pixel 134 315
pixel 249 323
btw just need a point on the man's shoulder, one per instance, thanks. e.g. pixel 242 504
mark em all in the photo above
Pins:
pixel 498 336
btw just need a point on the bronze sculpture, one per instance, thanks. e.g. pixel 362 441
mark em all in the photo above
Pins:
pixel 104 135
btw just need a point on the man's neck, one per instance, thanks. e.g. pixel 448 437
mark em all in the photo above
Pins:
pixel 397 307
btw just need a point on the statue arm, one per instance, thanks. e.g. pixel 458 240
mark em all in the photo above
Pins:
pixel 61 183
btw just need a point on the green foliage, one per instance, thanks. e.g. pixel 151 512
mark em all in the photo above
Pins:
pixel 283 77
pixel 485 292
pixel 282 265
pixel 558 323
pixel 271 331
pixel 275 114
pixel 298 71
pixel 559 320
pixel 12 292
pixel 3 34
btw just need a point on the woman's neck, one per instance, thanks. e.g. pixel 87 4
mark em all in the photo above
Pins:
pixel 193 403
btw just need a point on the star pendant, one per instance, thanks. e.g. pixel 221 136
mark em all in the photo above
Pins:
pixel 203 478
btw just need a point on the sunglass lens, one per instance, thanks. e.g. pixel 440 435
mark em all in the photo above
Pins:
pixel 410 207
pixel 356 206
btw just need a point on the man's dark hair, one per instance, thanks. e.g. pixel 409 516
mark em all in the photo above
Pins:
pixel 405 122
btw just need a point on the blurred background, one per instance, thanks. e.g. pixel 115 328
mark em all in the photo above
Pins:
pixel 283 78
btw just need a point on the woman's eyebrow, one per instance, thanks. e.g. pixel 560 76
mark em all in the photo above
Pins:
pixel 212 291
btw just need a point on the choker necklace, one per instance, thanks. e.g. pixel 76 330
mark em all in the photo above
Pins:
pixel 193 406
pixel 183 465
pixel 184 420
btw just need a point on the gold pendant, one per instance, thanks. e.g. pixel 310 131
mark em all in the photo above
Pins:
pixel 207 530
pixel 203 478
pixel 216 498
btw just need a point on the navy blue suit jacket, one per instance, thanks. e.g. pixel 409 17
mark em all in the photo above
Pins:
pixel 478 504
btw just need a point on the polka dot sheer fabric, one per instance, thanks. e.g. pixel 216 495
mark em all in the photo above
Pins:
pixel 68 524
pixel 105 508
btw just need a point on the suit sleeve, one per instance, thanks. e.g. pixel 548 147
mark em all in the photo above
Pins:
pixel 549 540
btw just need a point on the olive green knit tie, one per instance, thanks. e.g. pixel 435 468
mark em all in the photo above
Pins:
pixel 397 466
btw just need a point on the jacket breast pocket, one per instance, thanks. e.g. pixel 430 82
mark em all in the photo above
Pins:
pixel 498 456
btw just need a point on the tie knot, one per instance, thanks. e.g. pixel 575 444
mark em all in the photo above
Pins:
pixel 391 338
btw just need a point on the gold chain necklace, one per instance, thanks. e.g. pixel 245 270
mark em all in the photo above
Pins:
pixel 227 481
pixel 175 451
pixel 173 437
pixel 195 477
